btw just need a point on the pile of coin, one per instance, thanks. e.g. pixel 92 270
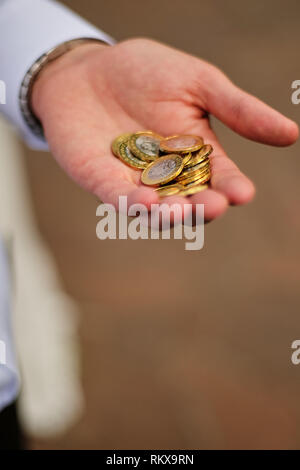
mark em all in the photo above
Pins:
pixel 173 165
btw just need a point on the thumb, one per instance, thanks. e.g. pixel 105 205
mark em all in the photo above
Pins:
pixel 244 113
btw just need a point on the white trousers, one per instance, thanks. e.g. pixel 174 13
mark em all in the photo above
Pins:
pixel 44 317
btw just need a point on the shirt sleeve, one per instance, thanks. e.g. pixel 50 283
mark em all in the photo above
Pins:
pixel 28 29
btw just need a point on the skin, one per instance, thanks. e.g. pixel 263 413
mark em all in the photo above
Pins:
pixel 95 92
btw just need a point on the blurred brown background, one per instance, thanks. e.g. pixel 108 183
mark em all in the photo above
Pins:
pixel 191 349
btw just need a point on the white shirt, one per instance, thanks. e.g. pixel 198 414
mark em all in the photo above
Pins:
pixel 28 29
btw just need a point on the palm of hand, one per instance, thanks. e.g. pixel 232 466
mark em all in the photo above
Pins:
pixel 140 84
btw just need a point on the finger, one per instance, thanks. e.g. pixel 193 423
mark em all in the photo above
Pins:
pixel 244 113
pixel 226 176
pixel 114 191
pixel 215 203
pixel 227 180
pixel 172 208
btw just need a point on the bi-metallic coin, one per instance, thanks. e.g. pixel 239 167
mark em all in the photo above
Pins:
pixel 181 144
pixel 162 170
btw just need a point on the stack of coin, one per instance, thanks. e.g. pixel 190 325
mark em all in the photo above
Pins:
pixel 173 165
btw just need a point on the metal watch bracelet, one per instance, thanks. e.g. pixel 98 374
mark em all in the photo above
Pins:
pixel 32 75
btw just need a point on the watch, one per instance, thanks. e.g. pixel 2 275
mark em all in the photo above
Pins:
pixel 32 74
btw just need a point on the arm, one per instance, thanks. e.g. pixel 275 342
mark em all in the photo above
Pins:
pixel 28 29
pixel 23 38
pixel 95 92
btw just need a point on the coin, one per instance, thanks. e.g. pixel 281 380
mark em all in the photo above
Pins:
pixel 202 177
pixel 186 158
pixel 185 167
pixel 198 174
pixel 169 190
pixel 145 145
pixel 162 170
pixel 118 141
pixel 200 156
pixel 196 182
pixel 181 144
pixel 186 173
pixel 127 157
pixel 193 190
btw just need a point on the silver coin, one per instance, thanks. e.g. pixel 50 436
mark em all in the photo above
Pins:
pixel 163 170
pixel 127 156
pixel 181 143
pixel 148 145
pixel 184 141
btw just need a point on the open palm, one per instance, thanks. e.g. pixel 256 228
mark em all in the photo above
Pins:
pixel 94 93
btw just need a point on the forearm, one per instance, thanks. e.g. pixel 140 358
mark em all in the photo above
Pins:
pixel 26 37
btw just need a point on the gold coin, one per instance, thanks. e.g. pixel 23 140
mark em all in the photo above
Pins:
pixel 192 176
pixel 193 190
pixel 162 170
pixel 196 182
pixel 145 145
pixel 181 143
pixel 117 142
pixel 186 173
pixel 198 174
pixel 186 158
pixel 127 157
pixel 169 190
pixel 200 178
pixel 200 156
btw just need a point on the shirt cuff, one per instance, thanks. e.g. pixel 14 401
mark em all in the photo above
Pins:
pixel 29 29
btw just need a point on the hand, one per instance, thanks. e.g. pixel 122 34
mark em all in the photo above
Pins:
pixel 96 92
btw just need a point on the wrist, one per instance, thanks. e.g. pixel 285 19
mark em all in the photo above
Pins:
pixel 45 83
